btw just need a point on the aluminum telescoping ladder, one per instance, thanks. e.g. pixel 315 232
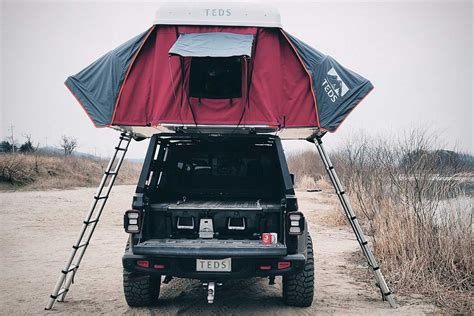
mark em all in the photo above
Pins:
pixel 90 222
pixel 384 289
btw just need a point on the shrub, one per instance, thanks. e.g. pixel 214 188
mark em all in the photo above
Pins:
pixel 41 171
pixel 411 201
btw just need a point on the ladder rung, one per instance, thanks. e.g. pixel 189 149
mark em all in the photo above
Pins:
pixel 111 173
pixel 91 222
pixel 101 197
pixel 120 148
pixel 80 246
pixel 364 243
pixel 59 293
pixel 71 268
pixel 376 268
pixel 353 218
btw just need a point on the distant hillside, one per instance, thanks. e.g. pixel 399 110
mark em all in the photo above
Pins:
pixel 443 161
pixel 54 151
pixel 46 170
pixel 136 160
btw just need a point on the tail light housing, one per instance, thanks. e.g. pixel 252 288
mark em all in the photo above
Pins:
pixel 295 223
pixel 132 221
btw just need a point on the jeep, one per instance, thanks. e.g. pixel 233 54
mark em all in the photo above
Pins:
pixel 215 207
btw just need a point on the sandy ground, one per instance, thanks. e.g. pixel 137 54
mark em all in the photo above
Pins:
pixel 37 230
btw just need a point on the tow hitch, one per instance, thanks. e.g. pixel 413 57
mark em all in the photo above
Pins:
pixel 211 290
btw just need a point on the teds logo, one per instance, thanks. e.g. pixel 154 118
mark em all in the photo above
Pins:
pixel 218 12
pixel 334 86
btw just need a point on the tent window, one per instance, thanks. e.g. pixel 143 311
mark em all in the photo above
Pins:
pixel 216 77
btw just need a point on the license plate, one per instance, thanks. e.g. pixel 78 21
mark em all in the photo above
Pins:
pixel 221 265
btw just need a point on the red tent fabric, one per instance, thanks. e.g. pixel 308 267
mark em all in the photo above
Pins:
pixel 155 88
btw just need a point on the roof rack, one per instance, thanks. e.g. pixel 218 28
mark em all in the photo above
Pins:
pixel 285 133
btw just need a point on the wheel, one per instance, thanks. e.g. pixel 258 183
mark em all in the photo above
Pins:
pixel 298 289
pixel 140 289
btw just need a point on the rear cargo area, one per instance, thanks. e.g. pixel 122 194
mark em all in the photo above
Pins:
pixel 222 193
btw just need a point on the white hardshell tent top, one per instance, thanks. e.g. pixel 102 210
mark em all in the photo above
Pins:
pixel 218 13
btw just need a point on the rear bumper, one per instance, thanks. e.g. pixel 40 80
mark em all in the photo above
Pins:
pixel 180 260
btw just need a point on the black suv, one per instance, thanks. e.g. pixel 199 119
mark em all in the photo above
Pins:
pixel 213 208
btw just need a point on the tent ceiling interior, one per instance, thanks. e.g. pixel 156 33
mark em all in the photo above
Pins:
pixel 230 69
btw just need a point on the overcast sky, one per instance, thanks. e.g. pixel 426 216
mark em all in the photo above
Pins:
pixel 418 55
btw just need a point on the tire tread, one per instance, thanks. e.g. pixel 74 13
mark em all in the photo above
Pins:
pixel 140 290
pixel 298 289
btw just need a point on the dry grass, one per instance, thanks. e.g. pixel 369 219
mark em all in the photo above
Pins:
pixel 42 172
pixel 324 185
pixel 307 169
pixel 415 210
pixel 306 182
pixel 309 174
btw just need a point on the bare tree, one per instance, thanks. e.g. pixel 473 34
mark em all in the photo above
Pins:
pixel 68 144
pixel 28 146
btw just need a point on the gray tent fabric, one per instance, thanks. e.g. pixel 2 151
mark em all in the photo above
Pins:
pixel 338 90
pixel 216 44
pixel 97 86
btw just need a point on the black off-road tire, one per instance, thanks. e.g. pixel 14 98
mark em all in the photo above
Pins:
pixel 298 289
pixel 140 289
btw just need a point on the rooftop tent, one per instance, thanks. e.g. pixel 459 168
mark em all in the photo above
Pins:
pixel 227 69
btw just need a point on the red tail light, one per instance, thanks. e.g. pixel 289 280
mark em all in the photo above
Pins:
pixel 266 267
pixel 143 263
pixel 283 265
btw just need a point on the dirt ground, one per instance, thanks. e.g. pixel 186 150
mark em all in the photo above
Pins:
pixel 38 229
